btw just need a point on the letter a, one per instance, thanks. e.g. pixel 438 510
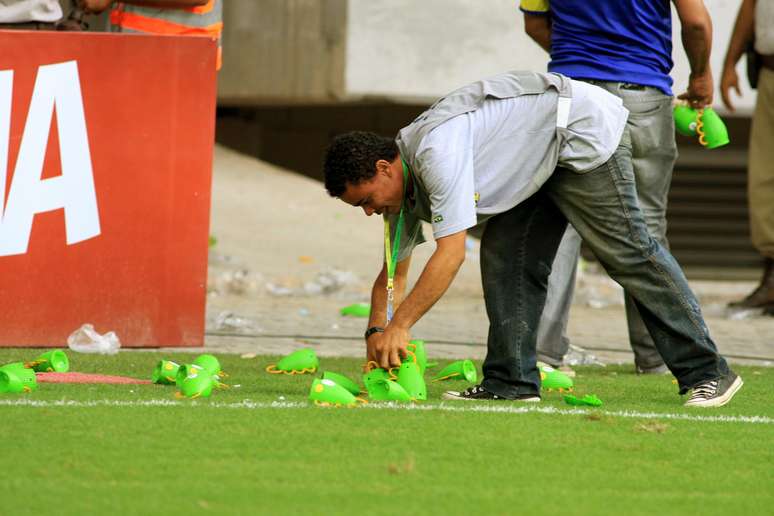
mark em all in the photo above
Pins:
pixel 55 85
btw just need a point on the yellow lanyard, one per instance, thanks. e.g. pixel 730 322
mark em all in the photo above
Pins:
pixel 391 253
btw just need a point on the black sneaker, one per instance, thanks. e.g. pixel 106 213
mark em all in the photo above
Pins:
pixel 715 393
pixel 477 392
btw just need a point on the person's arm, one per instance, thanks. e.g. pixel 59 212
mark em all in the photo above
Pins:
pixel 538 27
pixel 744 32
pixel 436 277
pixel 97 6
pixel 697 41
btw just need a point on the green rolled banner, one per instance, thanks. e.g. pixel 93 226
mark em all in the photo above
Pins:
pixel 387 390
pixel 410 378
pixel 54 361
pixel 301 361
pixel 459 370
pixel 554 380
pixel 165 372
pixel 343 381
pixel 328 393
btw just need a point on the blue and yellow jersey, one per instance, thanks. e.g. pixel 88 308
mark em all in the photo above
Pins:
pixel 609 40
pixel 539 7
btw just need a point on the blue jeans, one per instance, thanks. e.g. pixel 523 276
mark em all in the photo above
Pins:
pixel 651 128
pixel 518 248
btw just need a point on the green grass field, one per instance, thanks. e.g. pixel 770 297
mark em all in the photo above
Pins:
pixel 261 449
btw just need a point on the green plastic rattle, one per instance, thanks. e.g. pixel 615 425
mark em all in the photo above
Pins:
pixel 387 390
pixel 15 378
pixel 165 372
pixel 554 380
pixel 459 370
pixel 326 392
pixel 410 378
pixel 211 364
pixel 417 347
pixel 301 361
pixel 356 310
pixel 704 123
pixel 51 361
pixel 589 400
pixel 343 381
pixel 196 386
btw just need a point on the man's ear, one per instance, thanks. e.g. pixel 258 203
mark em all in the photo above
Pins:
pixel 383 167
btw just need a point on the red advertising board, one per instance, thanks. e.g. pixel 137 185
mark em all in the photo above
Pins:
pixel 105 172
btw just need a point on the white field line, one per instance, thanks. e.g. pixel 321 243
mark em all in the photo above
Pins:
pixel 448 407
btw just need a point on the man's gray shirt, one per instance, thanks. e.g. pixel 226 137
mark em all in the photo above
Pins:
pixel 488 146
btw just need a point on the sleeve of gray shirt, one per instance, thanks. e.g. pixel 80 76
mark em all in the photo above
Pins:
pixel 446 172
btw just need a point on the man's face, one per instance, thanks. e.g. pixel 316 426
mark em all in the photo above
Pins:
pixel 381 194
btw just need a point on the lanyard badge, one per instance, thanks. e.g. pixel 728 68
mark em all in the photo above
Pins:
pixel 391 253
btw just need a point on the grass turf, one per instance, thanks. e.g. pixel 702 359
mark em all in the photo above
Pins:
pixel 215 456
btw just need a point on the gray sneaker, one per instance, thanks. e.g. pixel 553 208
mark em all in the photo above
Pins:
pixel 715 393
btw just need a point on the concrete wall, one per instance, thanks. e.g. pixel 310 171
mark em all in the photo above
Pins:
pixel 405 51
pixel 282 51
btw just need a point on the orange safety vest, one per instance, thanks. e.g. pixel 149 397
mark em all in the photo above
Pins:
pixel 205 20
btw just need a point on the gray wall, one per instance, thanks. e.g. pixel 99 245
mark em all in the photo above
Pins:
pixel 405 51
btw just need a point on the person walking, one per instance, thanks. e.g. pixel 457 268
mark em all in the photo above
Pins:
pixel 754 28
pixel 625 47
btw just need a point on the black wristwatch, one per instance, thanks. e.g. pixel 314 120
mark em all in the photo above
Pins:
pixel 373 329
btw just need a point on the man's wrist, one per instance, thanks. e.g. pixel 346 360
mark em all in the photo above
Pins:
pixel 373 329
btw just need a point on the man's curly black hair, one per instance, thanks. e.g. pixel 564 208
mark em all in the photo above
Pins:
pixel 351 158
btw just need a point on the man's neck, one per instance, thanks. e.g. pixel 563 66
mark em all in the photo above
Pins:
pixel 409 186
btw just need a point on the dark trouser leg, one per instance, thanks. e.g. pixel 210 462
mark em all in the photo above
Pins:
pixel 602 206
pixel 517 250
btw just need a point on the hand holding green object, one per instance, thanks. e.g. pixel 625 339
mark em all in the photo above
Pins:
pixel 704 123
pixel 301 361
pixel 51 361
pixel 589 400
pixel 459 370
pixel 357 310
